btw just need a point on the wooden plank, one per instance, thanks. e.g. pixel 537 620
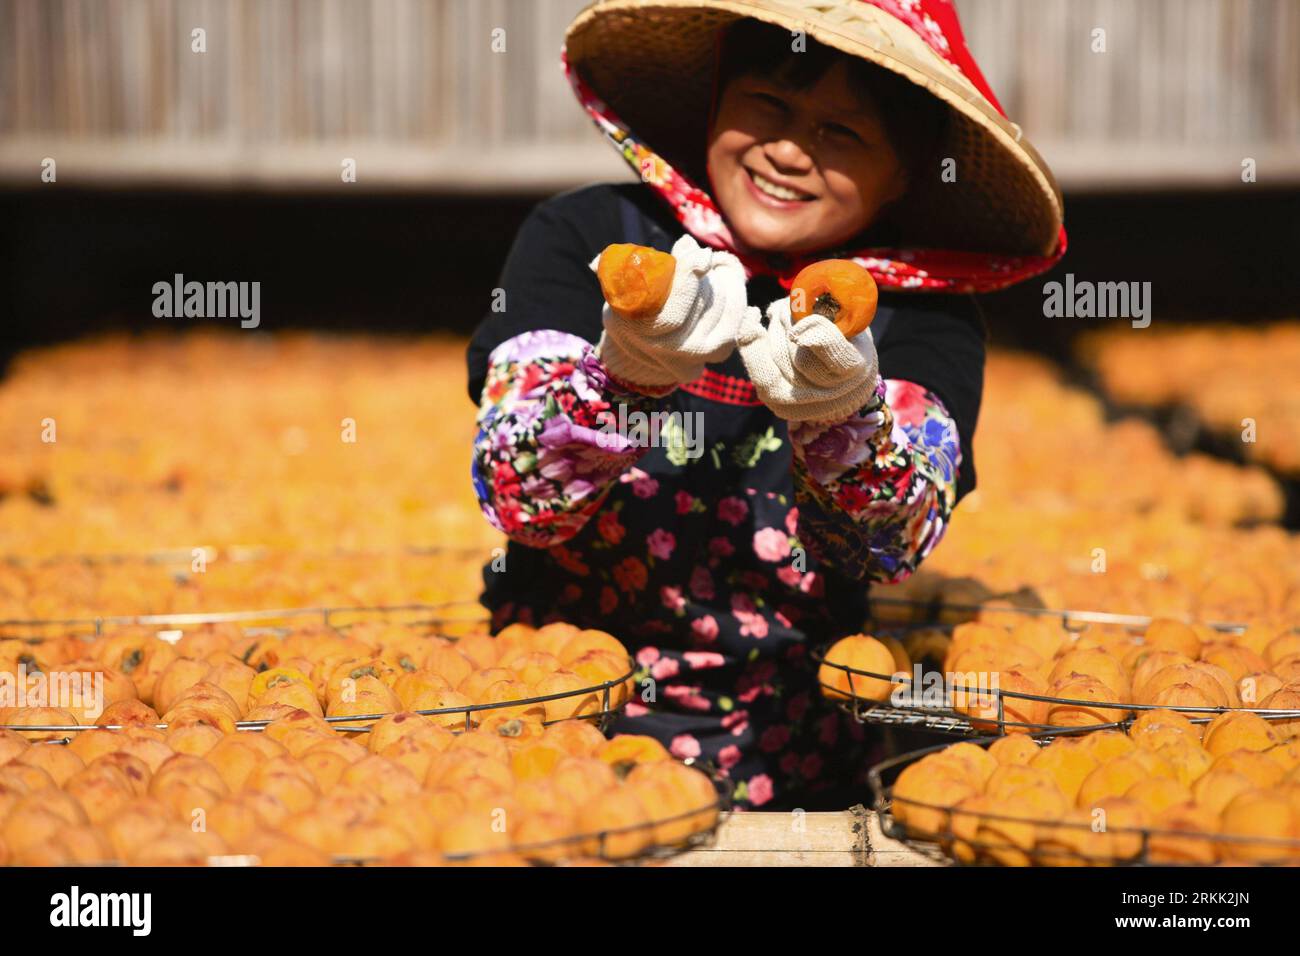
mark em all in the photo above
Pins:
pixel 1186 89
pixel 1179 73
pixel 847 838
pixel 887 851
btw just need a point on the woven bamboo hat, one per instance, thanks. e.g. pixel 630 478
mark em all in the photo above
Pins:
pixel 652 62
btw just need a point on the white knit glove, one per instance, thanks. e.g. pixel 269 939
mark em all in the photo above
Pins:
pixel 807 371
pixel 697 324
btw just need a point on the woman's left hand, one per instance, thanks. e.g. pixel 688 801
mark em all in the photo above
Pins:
pixel 807 371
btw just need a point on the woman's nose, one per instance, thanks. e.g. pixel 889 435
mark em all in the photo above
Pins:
pixel 789 154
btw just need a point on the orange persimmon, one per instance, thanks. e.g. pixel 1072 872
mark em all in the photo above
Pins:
pixel 625 751
pixel 578 738
pixel 59 762
pixel 839 289
pixel 635 280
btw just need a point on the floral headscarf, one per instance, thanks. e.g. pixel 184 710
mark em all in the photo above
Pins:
pixel 928 270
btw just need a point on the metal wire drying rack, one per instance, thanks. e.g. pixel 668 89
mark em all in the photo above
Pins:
pixel 588 845
pixel 238 553
pixel 1142 848
pixel 97 624
pixel 930 614
pixel 362 723
pixel 582 844
pixel 591 845
pixel 937 709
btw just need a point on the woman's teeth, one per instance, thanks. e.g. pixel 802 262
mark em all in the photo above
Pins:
pixel 775 191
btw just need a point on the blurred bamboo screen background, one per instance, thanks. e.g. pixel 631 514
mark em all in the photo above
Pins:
pixel 414 92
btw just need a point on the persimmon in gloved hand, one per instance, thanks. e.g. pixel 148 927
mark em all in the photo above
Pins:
pixel 663 345
pixel 815 361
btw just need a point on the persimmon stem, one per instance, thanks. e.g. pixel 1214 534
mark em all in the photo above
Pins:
pixel 826 306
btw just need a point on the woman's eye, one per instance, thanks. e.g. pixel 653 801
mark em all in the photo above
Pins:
pixel 768 100
pixel 841 132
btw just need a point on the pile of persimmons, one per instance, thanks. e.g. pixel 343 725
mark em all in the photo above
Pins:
pixel 1075 511
pixel 1168 791
pixel 123 445
pixel 1233 378
pixel 248 764
pixel 1098 670
pixel 69 588
pixel 1197 777
pixel 202 680
pixel 335 461
pixel 301 447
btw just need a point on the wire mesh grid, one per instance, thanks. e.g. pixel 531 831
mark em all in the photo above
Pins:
pixel 438 619
pixel 918 612
pixel 653 841
pixel 934 701
pixel 596 844
pixel 238 553
pixel 970 837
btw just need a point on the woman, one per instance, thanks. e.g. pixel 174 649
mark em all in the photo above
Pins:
pixel 723 554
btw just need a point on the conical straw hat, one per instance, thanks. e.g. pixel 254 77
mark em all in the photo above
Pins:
pixel 652 61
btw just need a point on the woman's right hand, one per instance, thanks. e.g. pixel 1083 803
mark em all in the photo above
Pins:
pixel 807 371
pixel 697 325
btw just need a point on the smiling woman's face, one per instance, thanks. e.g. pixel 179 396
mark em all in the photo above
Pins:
pixel 799 170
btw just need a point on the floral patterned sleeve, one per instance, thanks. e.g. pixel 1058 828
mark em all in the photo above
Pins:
pixel 876 490
pixel 547 453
